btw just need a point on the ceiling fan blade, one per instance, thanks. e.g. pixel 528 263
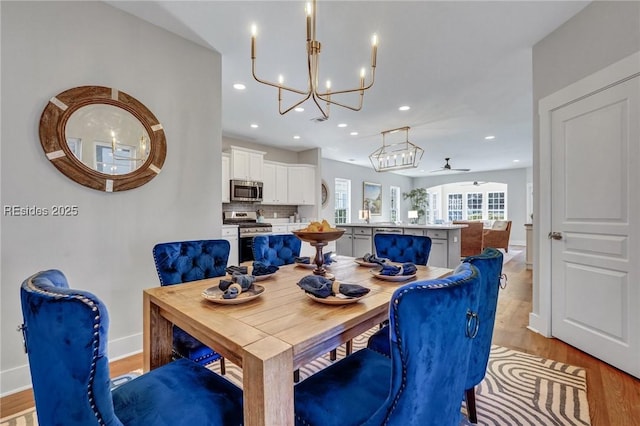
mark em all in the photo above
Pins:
pixel 460 170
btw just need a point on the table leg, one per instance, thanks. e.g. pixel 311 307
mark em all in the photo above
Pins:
pixel 267 371
pixel 157 336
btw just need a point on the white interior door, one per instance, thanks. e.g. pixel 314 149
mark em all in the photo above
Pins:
pixel 595 213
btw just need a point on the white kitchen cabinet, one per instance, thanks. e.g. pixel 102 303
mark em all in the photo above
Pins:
pixel 344 244
pixel 226 188
pixel 246 164
pixel 230 233
pixel 275 183
pixel 279 229
pixel 302 184
pixel 362 241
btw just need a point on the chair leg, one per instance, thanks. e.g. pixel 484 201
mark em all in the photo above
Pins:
pixel 223 369
pixel 470 396
pixel 296 376
pixel 349 347
pixel 333 355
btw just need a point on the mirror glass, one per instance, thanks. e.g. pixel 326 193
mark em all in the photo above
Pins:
pixel 107 139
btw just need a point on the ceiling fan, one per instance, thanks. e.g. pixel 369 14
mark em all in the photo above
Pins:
pixel 447 168
pixel 475 183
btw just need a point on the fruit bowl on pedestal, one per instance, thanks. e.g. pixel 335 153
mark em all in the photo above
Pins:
pixel 319 239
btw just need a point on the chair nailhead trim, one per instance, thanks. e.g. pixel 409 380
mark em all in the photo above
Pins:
pixel 95 343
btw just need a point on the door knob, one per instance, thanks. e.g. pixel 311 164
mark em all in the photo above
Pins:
pixel 555 235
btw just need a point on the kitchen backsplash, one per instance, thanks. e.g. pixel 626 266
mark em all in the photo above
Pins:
pixel 281 212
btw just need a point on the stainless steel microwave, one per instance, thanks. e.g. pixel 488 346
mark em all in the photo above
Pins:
pixel 246 190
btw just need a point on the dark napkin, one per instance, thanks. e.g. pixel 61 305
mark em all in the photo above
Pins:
pixel 322 287
pixel 245 281
pixel 327 259
pixel 260 268
pixel 241 269
pixel 353 290
pixel 372 258
pixel 405 269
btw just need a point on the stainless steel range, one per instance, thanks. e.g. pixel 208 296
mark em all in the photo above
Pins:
pixel 248 227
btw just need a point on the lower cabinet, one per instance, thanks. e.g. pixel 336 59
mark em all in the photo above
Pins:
pixel 362 241
pixel 231 234
pixel 344 244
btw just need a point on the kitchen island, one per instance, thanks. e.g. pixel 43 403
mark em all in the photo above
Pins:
pixel 445 240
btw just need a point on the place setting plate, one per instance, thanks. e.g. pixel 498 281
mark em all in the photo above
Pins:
pixel 360 261
pixel 396 278
pixel 214 294
pixel 306 265
pixel 335 300
pixel 264 277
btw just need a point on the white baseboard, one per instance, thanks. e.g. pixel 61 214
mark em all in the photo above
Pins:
pixel 537 325
pixel 19 378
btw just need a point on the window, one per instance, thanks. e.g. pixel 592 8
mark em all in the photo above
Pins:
pixel 125 161
pixel 342 200
pixel 474 206
pixel 395 204
pixel 495 206
pixel 454 211
pixel 433 211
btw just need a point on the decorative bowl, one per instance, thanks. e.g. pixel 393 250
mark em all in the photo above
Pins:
pixel 319 237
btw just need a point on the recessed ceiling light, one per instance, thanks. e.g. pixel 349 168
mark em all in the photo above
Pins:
pixel 489 138
pixel 239 86
pixel 342 125
pixel 516 161
pixel 354 133
pixel 254 126
pixel 404 108
pixel 296 137
pixel 298 109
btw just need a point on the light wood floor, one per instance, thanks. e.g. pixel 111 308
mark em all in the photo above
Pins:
pixel 614 397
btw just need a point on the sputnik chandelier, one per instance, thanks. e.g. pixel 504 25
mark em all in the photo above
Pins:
pixel 312 91
pixel 398 155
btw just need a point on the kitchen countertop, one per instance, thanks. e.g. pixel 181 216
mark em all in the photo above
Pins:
pixel 402 225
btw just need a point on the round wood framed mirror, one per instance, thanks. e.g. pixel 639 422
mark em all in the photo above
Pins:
pixel 102 138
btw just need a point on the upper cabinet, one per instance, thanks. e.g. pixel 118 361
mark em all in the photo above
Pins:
pixel 302 184
pixel 246 164
pixel 226 170
pixel 275 179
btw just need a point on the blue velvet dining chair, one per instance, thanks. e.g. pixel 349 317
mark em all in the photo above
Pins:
pixel 185 261
pixel 432 324
pixel 276 249
pixel 403 248
pixel 66 332
pixel 489 264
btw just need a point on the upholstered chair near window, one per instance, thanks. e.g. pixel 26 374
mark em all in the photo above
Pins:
pixel 498 235
pixel 432 324
pixel 66 332
pixel 185 261
pixel 276 249
pixel 489 265
pixel 403 248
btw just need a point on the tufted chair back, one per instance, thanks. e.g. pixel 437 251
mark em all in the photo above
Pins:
pixel 403 248
pixel 185 261
pixel 66 333
pixel 432 326
pixel 276 249
pixel 489 263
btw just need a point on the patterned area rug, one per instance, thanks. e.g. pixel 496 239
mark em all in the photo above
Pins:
pixel 519 389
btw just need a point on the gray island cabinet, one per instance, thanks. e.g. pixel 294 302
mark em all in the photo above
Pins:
pixel 445 240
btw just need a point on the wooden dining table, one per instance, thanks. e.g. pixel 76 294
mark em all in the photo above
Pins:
pixel 272 335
